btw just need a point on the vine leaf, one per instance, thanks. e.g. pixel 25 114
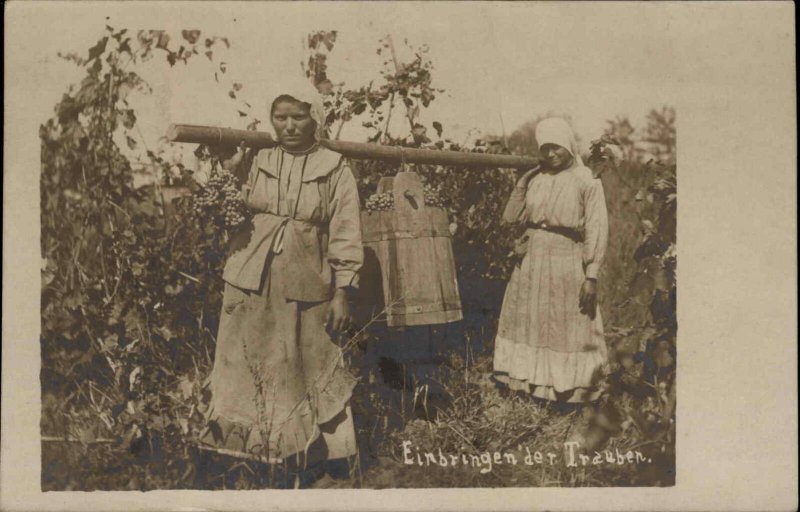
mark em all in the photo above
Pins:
pixel 128 118
pixel 191 35
pixel 98 49
pixel 328 39
pixel 118 35
pixel 125 46
pixel 216 430
pixel 163 38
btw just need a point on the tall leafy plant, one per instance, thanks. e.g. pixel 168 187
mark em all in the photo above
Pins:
pixel 123 290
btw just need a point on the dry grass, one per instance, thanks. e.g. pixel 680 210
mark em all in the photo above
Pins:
pixel 475 418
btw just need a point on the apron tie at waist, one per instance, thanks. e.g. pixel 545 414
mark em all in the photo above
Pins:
pixel 277 244
pixel 573 234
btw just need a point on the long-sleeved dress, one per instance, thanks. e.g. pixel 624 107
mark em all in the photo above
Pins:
pixel 545 344
pixel 280 390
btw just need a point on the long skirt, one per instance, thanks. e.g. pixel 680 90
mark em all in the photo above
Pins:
pixel 280 388
pixel 545 345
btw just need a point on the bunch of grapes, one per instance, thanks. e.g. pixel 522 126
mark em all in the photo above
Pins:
pixel 432 197
pixel 234 210
pixel 221 200
pixel 380 202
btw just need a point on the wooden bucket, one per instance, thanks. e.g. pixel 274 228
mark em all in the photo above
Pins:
pixel 409 268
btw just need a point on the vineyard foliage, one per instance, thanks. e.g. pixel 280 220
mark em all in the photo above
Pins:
pixel 131 285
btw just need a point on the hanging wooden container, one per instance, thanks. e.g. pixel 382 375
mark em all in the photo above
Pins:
pixel 409 267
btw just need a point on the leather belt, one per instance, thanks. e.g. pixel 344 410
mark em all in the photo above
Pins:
pixel 570 233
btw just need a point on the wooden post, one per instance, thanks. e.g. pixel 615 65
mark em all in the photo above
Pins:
pixel 360 150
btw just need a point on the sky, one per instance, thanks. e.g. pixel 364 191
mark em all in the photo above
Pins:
pixel 500 64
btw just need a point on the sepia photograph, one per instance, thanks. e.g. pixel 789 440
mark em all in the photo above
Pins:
pixel 412 247
pixel 284 307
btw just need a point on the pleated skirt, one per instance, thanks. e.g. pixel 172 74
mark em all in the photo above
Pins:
pixel 545 345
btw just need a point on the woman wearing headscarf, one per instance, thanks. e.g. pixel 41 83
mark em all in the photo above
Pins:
pixel 280 390
pixel 550 334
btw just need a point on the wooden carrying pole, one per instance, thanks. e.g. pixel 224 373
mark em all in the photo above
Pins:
pixel 361 150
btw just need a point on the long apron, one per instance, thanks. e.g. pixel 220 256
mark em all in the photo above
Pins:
pixel 280 388
pixel 545 345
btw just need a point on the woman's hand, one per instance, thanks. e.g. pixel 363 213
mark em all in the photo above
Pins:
pixel 587 300
pixel 236 159
pixel 339 319
pixel 520 248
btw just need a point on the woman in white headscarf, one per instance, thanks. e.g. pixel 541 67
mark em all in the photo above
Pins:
pixel 280 389
pixel 550 335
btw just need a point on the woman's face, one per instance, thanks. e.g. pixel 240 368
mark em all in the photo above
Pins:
pixel 293 125
pixel 555 156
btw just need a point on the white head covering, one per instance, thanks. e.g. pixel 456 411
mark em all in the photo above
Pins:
pixel 302 90
pixel 555 130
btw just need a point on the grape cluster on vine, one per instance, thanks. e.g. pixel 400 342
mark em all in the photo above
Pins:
pixel 380 202
pixel 221 200
pixel 432 197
